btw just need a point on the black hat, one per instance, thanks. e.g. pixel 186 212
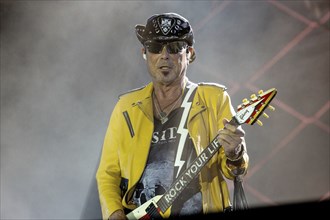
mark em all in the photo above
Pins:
pixel 165 27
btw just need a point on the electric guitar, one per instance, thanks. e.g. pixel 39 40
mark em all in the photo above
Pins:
pixel 247 113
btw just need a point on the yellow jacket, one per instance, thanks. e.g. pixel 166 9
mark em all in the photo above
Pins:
pixel 127 142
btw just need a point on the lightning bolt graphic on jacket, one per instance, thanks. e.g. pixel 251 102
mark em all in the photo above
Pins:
pixel 182 130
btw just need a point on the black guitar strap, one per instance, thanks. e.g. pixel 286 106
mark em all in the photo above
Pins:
pixel 239 200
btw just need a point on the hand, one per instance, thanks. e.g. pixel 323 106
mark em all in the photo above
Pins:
pixel 118 215
pixel 232 139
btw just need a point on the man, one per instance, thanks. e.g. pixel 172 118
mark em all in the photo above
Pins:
pixel 156 132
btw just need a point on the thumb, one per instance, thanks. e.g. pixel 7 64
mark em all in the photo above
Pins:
pixel 225 121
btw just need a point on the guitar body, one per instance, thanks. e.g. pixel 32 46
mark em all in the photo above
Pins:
pixel 148 210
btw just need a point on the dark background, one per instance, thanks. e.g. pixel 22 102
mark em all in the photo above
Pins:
pixel 63 64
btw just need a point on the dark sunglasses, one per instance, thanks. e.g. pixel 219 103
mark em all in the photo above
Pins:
pixel 171 47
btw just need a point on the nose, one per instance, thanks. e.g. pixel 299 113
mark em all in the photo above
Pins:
pixel 165 53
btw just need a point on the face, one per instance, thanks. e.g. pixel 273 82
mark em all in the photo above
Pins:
pixel 167 63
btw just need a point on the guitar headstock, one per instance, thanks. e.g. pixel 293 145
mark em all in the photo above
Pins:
pixel 250 110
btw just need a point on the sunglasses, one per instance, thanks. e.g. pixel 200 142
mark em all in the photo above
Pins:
pixel 173 47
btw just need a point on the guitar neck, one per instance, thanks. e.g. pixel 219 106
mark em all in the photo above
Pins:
pixel 190 173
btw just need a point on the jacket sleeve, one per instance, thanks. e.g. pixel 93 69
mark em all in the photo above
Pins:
pixel 230 170
pixel 108 174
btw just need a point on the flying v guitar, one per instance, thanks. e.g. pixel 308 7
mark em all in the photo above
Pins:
pixel 247 113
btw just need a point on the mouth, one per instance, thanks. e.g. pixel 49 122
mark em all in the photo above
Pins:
pixel 165 68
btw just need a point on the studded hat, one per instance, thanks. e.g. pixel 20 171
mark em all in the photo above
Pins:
pixel 165 27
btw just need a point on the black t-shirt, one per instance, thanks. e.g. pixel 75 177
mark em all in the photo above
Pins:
pixel 165 162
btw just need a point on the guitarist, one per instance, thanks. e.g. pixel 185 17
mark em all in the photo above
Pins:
pixel 156 131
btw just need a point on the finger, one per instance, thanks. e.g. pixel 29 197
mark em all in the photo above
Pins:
pixel 230 146
pixel 239 131
pixel 225 121
pixel 230 140
pixel 237 134
pixel 227 125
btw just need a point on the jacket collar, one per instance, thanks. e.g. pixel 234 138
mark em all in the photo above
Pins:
pixel 145 101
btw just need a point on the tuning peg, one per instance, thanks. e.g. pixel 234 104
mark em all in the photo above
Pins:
pixel 265 115
pixel 271 107
pixel 253 96
pixel 260 92
pixel 245 101
pixel 259 123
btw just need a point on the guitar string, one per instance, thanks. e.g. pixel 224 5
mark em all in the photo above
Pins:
pixel 161 205
pixel 153 211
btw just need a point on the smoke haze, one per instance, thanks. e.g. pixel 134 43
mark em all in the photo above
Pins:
pixel 64 63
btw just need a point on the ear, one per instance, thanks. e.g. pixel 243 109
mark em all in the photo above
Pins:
pixel 143 51
pixel 191 55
